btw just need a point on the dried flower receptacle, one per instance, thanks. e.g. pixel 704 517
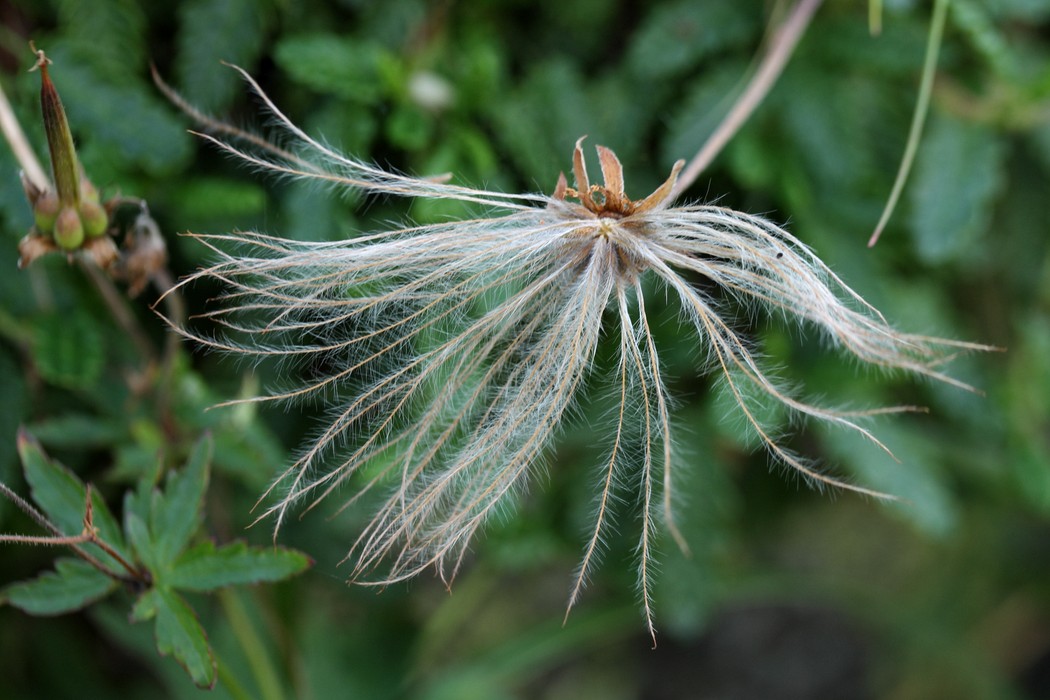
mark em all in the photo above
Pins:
pixel 456 349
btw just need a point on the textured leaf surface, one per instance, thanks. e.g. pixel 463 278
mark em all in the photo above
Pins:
pixel 73 585
pixel 212 32
pixel 353 70
pixel 69 350
pixel 176 514
pixel 63 498
pixel 179 634
pixel 958 172
pixel 677 35
pixel 206 567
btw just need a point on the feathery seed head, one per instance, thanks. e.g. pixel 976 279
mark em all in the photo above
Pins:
pixel 453 351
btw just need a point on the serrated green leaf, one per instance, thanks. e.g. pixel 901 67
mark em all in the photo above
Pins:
pixel 205 567
pixel 177 514
pixel 676 36
pixel 212 32
pixel 73 585
pixel 107 34
pixel 141 540
pixel 334 65
pixel 958 173
pixel 179 634
pixel 923 497
pixel 63 499
pixel 145 607
pixel 69 350
pixel 118 122
pixel 542 120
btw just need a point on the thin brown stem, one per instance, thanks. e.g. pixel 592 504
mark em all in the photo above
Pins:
pixel 88 535
pixel 27 508
pixel 782 46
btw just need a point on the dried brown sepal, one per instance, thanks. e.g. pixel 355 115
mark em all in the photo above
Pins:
pixel 102 251
pixel 34 246
pixel 613 200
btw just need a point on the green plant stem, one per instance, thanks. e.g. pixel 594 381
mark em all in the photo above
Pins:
pixel 929 70
pixel 230 682
pixel 258 659
pixel 119 310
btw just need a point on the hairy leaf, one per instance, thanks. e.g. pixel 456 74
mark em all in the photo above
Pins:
pixel 179 634
pixel 63 498
pixel 69 350
pixel 212 32
pixel 330 64
pixel 176 515
pixel 206 567
pixel 73 585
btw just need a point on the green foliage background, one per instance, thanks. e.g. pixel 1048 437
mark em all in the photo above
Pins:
pixel 788 593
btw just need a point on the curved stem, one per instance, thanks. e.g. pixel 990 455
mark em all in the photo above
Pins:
pixel 929 69
pixel 782 46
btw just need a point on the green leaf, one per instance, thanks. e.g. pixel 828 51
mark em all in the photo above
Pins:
pixel 541 121
pixel 334 65
pixel 118 121
pixel 69 350
pixel 141 540
pixel 73 584
pixel 408 127
pixel 63 499
pixel 205 567
pixel 78 430
pixel 110 35
pixel 179 634
pixel 924 497
pixel 176 515
pixel 677 35
pixel 957 176
pixel 213 31
pixel 145 607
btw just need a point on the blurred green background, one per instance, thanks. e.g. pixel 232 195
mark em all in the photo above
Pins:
pixel 788 593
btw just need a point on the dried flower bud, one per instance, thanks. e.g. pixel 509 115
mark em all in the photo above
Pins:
pixel 69 232
pixel 34 246
pixel 64 166
pixel 45 209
